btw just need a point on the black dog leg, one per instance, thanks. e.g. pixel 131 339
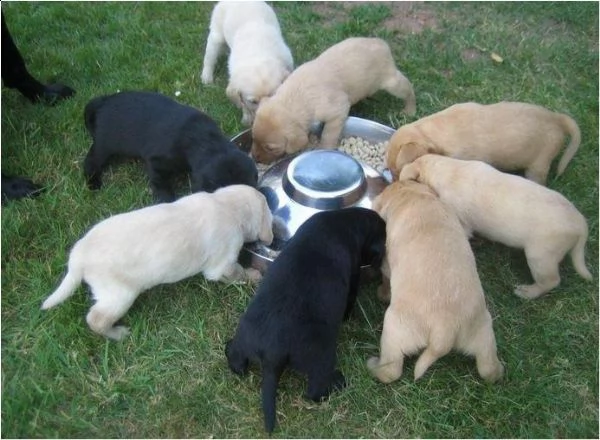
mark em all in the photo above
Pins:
pixel 14 188
pixel 16 76
pixel 93 166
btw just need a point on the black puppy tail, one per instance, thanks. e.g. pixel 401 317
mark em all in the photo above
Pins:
pixel 89 113
pixel 269 385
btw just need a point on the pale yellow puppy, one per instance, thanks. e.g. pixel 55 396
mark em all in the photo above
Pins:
pixel 322 90
pixel 437 302
pixel 259 60
pixel 128 253
pixel 511 210
pixel 511 136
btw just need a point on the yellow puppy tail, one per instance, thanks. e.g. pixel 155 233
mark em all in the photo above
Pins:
pixel 578 256
pixel 571 127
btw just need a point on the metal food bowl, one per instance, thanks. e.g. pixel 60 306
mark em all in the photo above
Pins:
pixel 298 186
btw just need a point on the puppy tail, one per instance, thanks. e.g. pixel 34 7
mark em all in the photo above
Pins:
pixel 89 113
pixel 67 287
pixel 578 255
pixel 270 381
pixel 571 127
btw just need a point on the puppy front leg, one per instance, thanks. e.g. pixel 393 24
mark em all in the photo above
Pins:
pixel 159 182
pixel 384 291
pixel 353 292
pixel 236 273
pixel 214 44
pixel 332 131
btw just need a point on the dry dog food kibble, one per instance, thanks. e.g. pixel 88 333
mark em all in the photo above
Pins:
pixel 357 147
pixel 362 150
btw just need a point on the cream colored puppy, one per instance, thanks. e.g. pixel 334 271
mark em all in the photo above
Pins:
pixel 128 253
pixel 259 59
pixel 437 302
pixel 511 136
pixel 322 90
pixel 511 210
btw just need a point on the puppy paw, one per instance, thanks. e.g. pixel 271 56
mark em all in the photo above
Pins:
pixel 117 333
pixel 207 78
pixel 494 374
pixel 252 275
pixel 373 364
pixel 529 291
pixel 53 93
pixel 339 381
pixel 14 188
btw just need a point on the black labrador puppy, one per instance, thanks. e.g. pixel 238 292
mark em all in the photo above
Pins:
pixel 299 306
pixel 171 138
pixel 16 76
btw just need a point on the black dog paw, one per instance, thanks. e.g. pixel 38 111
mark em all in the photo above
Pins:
pixel 53 93
pixel 14 188
pixel 338 381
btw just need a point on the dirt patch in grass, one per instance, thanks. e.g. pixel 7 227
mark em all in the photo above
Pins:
pixel 470 55
pixel 406 17
pixel 410 17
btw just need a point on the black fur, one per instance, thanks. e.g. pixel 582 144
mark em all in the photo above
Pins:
pixel 171 138
pixel 312 285
pixel 16 76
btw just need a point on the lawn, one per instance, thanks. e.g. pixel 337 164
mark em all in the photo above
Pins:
pixel 170 377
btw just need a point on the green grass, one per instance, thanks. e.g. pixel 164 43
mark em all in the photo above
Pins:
pixel 170 378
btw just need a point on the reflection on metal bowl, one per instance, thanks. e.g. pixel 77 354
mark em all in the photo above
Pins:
pixel 299 186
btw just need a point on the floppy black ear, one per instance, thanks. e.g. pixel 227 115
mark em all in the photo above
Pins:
pixel 198 182
pixel 375 253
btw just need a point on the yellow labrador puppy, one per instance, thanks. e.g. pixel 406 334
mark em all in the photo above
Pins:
pixel 259 59
pixel 511 136
pixel 511 210
pixel 437 302
pixel 128 253
pixel 322 90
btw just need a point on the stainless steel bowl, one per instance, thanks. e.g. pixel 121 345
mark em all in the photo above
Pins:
pixel 299 186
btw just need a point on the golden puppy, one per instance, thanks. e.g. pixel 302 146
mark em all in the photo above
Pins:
pixel 322 90
pixel 437 302
pixel 128 253
pixel 259 59
pixel 511 210
pixel 511 136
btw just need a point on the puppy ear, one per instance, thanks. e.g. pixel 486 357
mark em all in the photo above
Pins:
pixel 234 95
pixel 409 153
pixel 409 172
pixel 376 253
pixel 377 204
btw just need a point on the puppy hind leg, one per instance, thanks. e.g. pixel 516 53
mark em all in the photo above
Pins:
pixel 93 166
pixel 323 378
pixel 399 85
pixel 397 339
pixel 483 346
pixel 112 303
pixel 543 264
pixel 236 357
